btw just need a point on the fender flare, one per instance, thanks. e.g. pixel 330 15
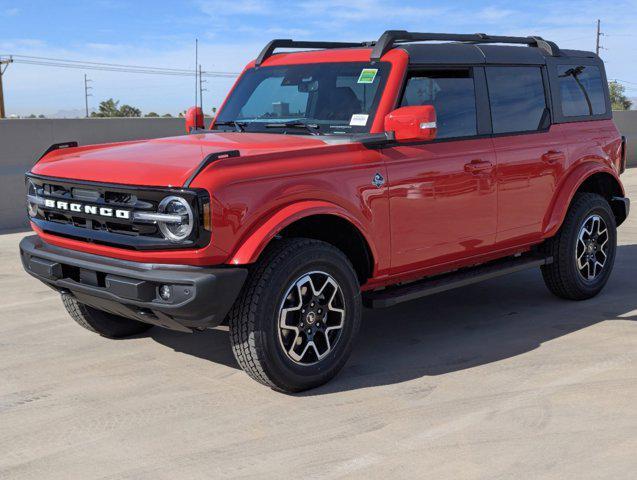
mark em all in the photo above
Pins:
pixel 255 242
pixel 566 191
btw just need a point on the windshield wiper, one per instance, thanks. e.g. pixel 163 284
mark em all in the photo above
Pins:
pixel 313 128
pixel 238 126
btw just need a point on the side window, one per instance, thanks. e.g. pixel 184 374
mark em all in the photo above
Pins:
pixel 517 98
pixel 581 90
pixel 452 93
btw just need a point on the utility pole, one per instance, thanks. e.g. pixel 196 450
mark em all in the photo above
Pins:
pixel 86 94
pixel 4 64
pixel 598 47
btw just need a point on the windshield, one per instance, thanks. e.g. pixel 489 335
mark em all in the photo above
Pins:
pixel 335 98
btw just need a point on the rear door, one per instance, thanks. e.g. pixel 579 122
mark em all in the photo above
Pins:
pixel 442 194
pixel 530 152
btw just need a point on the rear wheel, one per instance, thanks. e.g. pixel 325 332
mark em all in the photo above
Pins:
pixel 103 323
pixel 583 250
pixel 293 326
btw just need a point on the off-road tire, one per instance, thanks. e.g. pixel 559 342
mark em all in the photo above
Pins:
pixel 103 323
pixel 562 276
pixel 253 320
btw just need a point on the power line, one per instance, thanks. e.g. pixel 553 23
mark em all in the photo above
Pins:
pixel 625 81
pixel 100 63
pixel 620 35
pixel 127 66
pixel 107 69
pixel 114 67
pixel 123 70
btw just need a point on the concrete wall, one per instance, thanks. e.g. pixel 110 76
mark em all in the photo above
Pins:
pixel 627 124
pixel 22 141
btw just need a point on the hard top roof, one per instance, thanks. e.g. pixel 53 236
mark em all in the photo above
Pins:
pixel 465 53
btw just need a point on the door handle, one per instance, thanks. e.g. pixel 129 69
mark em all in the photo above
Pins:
pixel 478 166
pixel 553 156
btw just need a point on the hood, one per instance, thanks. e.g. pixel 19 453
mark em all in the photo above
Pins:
pixel 163 161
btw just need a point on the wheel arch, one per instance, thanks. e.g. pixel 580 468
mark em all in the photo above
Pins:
pixel 588 177
pixel 319 220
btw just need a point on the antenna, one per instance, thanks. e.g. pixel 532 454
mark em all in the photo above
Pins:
pixel 196 63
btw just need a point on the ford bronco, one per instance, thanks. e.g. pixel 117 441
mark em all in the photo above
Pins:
pixel 334 176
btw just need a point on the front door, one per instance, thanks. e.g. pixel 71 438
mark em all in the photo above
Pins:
pixel 442 194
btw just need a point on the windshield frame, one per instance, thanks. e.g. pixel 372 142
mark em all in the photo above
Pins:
pixel 339 127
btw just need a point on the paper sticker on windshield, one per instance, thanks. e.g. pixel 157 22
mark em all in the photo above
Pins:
pixel 359 120
pixel 367 75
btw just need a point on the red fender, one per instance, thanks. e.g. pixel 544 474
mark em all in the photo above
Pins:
pixel 566 191
pixel 257 240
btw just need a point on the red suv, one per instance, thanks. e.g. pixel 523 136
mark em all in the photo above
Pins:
pixel 336 176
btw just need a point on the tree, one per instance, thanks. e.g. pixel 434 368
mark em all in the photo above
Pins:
pixel 167 115
pixel 151 114
pixel 618 99
pixel 128 111
pixel 110 108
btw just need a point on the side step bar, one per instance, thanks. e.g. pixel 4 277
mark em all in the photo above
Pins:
pixel 448 281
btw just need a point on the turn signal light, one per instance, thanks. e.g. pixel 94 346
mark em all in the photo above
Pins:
pixel 207 221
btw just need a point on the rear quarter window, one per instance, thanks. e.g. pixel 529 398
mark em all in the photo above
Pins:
pixel 581 90
pixel 517 98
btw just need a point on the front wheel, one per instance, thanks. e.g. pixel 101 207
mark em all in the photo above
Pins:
pixel 103 323
pixel 583 251
pixel 293 326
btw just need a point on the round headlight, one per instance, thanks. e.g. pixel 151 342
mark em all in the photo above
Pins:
pixel 176 231
pixel 32 195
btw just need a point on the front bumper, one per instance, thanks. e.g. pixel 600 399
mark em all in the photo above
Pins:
pixel 200 297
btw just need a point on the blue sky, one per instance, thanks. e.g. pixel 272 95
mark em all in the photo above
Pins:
pixel 161 33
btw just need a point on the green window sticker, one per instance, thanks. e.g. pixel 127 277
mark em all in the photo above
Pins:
pixel 367 75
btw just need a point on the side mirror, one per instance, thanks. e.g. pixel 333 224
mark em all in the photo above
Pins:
pixel 416 123
pixel 194 119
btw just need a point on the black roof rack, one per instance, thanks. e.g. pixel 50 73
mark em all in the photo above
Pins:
pixel 288 43
pixel 390 38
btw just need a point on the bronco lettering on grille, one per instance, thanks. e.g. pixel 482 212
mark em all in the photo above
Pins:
pixel 88 209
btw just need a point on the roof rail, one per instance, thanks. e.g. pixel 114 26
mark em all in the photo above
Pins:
pixel 269 49
pixel 390 38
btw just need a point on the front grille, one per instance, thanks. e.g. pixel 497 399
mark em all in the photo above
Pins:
pixel 101 197
pixel 111 230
